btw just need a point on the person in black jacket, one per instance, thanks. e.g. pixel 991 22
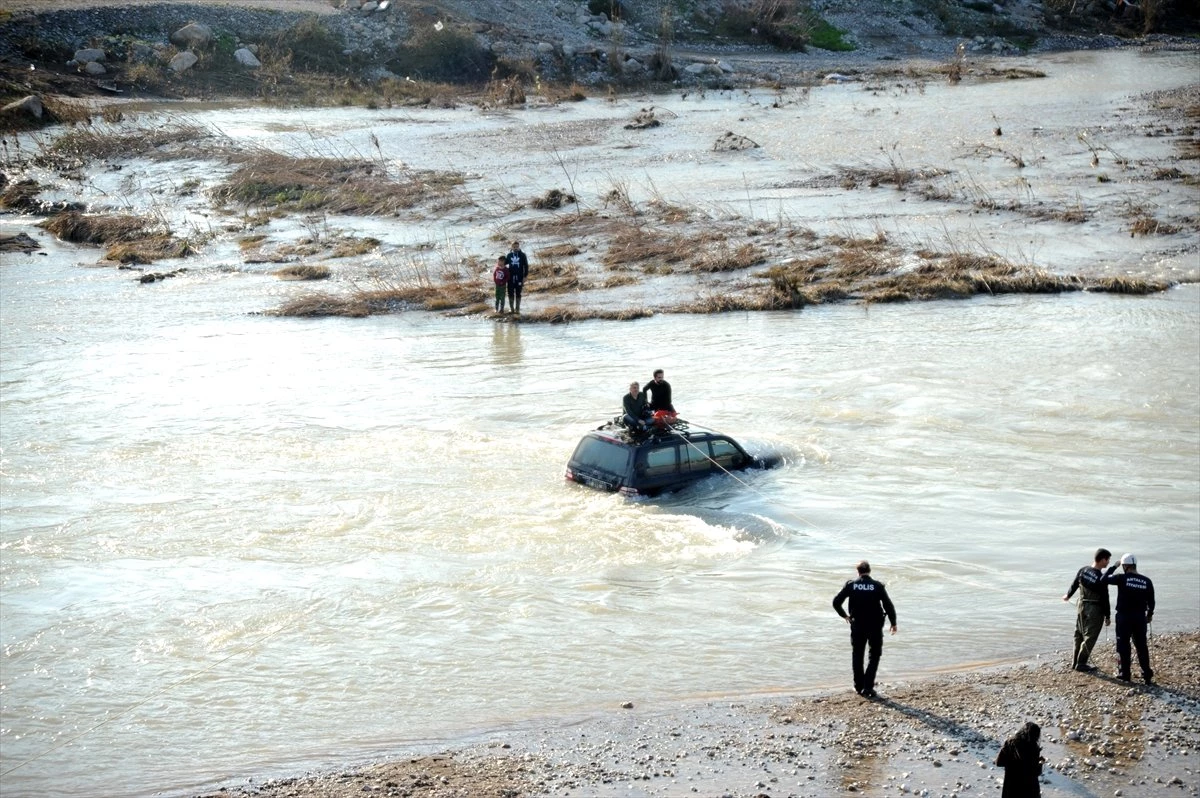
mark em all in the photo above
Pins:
pixel 518 270
pixel 1021 758
pixel 1094 610
pixel 636 410
pixel 658 392
pixel 1135 611
pixel 869 603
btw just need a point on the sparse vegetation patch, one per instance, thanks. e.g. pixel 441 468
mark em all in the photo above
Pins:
pixel 335 185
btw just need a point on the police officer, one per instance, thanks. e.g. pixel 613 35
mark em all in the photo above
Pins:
pixel 1135 611
pixel 1094 610
pixel 869 603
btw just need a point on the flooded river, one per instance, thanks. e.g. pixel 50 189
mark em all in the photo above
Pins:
pixel 235 544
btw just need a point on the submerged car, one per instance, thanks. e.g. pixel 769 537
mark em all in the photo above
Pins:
pixel 663 458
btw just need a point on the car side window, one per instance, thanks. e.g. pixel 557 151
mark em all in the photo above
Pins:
pixel 661 461
pixel 697 456
pixel 725 453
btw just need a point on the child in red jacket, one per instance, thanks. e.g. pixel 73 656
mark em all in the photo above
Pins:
pixel 500 278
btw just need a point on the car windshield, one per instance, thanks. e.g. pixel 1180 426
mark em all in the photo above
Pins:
pixel 603 455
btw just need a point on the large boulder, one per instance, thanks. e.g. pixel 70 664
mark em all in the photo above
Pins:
pixel 182 62
pixel 88 55
pixel 94 68
pixel 246 58
pixel 30 106
pixel 193 36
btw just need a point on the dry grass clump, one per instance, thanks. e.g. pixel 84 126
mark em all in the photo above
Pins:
pixel 336 185
pixel 81 228
pixel 618 280
pixel 553 200
pixel 728 303
pixel 253 241
pixel 555 277
pixel 642 244
pixel 22 196
pixel 565 315
pixel 724 258
pixel 149 249
pixel 85 144
pixel 1128 285
pixel 509 91
pixel 304 271
pixel 1144 225
pixel 565 250
pixel 319 305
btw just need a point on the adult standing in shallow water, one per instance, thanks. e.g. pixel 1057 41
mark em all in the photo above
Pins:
pixel 1021 758
pixel 1135 611
pixel 1093 611
pixel 869 603
pixel 518 270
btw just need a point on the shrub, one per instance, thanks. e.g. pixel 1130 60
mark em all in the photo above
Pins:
pixel 308 46
pixel 451 54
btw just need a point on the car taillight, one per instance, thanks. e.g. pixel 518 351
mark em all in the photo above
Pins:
pixel 569 475
pixel 628 491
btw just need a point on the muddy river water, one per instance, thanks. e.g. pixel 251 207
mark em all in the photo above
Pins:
pixel 238 544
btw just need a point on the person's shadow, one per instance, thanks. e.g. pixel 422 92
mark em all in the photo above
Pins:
pixel 941 724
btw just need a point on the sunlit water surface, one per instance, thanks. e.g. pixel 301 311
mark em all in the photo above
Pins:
pixel 235 544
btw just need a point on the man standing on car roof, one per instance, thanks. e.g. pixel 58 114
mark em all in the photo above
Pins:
pixel 658 392
pixel 1135 611
pixel 1094 610
pixel 869 603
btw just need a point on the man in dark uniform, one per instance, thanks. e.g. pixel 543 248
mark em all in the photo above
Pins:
pixel 1094 610
pixel 658 392
pixel 869 603
pixel 1135 611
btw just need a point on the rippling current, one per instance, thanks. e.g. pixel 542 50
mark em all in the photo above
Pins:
pixel 237 544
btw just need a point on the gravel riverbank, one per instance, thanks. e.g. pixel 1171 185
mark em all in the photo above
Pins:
pixel 929 736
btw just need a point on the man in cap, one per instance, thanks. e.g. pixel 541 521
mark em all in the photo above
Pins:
pixel 1094 610
pixel 1135 611
pixel 869 603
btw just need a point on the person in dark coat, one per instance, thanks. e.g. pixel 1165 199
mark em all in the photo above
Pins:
pixel 869 603
pixel 1021 758
pixel 1094 611
pixel 1135 611
pixel 518 270
pixel 658 393
pixel 636 410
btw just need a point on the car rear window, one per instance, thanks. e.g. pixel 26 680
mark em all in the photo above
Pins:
pixel 601 454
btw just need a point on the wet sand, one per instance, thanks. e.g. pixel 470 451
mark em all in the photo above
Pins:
pixel 932 736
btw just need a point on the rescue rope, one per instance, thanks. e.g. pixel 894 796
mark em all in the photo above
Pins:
pixel 156 694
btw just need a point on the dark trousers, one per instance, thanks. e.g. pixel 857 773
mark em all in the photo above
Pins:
pixel 514 296
pixel 1133 627
pixel 1088 623
pixel 861 639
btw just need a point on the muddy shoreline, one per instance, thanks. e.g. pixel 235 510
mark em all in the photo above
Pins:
pixel 931 736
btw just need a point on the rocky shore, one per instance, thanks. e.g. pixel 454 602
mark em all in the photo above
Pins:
pixel 931 737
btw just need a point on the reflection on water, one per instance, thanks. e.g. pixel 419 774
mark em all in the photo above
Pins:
pixel 506 344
